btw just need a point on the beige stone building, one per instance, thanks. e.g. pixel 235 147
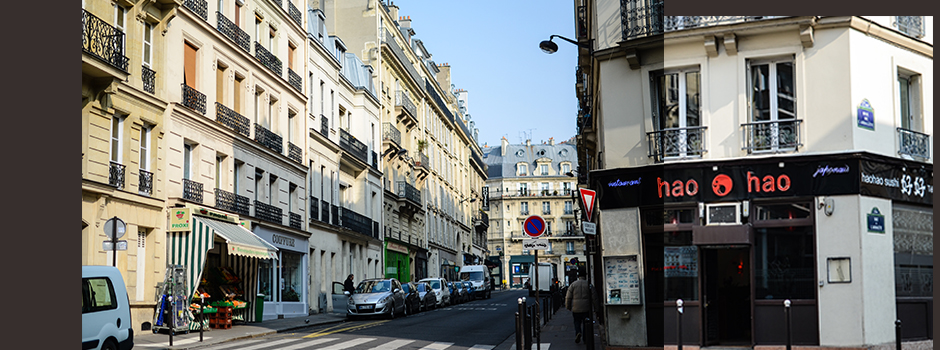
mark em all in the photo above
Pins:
pixel 533 179
pixel 124 97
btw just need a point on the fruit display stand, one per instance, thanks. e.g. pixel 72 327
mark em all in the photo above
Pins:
pixel 222 318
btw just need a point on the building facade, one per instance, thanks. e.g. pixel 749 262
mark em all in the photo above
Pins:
pixel 772 159
pixel 533 179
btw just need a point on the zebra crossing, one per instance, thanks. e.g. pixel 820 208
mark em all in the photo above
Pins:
pixel 344 344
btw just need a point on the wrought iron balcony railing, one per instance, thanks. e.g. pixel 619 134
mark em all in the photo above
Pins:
pixel 334 214
pixel 407 191
pixel 103 41
pixel 229 201
pixel 295 80
pixel 476 158
pixel 116 175
pixel 232 119
pixel 524 212
pixel 233 32
pixel 375 230
pixel 673 23
pixel 350 144
pixel 676 143
pixel 278 3
pixel 295 221
pixel 913 143
pixel 582 22
pixel 148 76
pixel 772 136
pixel 391 133
pixel 314 208
pixel 295 13
pixel 641 18
pixel 145 183
pixel 268 212
pixel 269 139
pixel 429 87
pixel 546 211
pixel 911 25
pixel 295 153
pixel 324 126
pixel 325 212
pixel 356 222
pixel 193 99
pixel 423 162
pixel 375 161
pixel 192 190
pixel 267 59
pixel 402 100
pixel 199 7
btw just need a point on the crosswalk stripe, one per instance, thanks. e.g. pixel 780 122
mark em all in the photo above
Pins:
pixel 437 346
pixel 239 345
pixel 482 347
pixel 175 343
pixel 348 344
pixel 544 346
pixel 304 344
pixel 393 345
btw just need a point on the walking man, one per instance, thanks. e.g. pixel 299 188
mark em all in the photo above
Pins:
pixel 577 301
pixel 348 285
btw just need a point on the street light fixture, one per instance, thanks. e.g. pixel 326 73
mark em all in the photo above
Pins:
pixel 550 47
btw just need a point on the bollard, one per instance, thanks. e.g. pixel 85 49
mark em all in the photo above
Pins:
pixel 588 329
pixel 518 331
pixel 172 316
pixel 786 307
pixel 202 315
pixel 679 323
pixel 897 333
pixel 537 325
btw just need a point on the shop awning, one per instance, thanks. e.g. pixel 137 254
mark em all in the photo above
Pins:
pixel 239 240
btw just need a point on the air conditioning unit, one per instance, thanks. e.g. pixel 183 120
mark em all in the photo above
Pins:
pixel 723 214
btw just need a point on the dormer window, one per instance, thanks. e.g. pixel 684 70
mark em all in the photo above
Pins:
pixel 522 169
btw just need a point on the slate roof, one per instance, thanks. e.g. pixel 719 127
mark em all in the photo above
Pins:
pixel 505 166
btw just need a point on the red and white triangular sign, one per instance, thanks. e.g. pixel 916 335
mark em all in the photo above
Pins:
pixel 587 201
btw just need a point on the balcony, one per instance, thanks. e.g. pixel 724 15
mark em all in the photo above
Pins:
pixel 429 87
pixel 233 32
pixel 192 190
pixel 268 59
pixel 375 230
pixel 351 145
pixel 145 183
pixel 641 18
pixel 423 162
pixel 193 99
pixel 673 23
pixel 358 223
pixel 295 153
pixel 148 76
pixel 269 139
pixel 103 41
pixel 295 80
pixel 481 222
pixel 913 144
pixel 268 212
pixel 676 143
pixel 231 202
pixel 524 212
pixel 913 26
pixel 314 208
pixel 334 214
pixel 116 175
pixel 324 126
pixel 375 161
pixel 325 213
pixel 772 136
pixel 295 13
pixel 295 221
pixel 409 192
pixel 233 120
pixel 405 109
pixel 546 211
pixel 572 233
pixel 391 133
pixel 199 7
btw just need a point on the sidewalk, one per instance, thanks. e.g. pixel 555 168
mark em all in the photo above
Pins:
pixel 150 341
pixel 559 333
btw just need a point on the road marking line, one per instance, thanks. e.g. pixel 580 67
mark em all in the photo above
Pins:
pixel 392 345
pixel 437 346
pixel 333 330
pixel 308 343
pixel 544 346
pixel 348 344
pixel 239 345
pixel 482 347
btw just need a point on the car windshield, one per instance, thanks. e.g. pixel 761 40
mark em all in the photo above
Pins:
pixel 375 286
pixel 471 276
pixel 421 288
pixel 435 284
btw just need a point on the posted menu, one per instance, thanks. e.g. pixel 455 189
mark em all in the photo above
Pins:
pixel 623 280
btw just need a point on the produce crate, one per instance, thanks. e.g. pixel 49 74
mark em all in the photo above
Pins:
pixel 220 323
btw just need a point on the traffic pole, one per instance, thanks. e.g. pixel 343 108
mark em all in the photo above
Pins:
pixel 537 323
pixel 786 306
pixel 114 242
pixel 897 334
pixel 588 324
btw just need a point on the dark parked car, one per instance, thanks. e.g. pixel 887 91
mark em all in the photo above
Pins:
pixel 428 298
pixel 470 291
pixel 455 297
pixel 461 292
pixel 412 299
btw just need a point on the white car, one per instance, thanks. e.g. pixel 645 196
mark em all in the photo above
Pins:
pixel 439 287
pixel 106 310
pixel 377 296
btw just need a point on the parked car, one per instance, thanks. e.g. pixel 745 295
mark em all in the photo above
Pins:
pixel 376 296
pixel 412 299
pixel 106 310
pixel 339 298
pixel 426 295
pixel 469 290
pixel 455 297
pixel 461 291
pixel 439 287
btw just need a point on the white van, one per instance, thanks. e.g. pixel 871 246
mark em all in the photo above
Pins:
pixel 479 277
pixel 106 310
pixel 546 273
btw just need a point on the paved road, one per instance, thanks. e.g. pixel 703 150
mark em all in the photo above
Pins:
pixel 477 325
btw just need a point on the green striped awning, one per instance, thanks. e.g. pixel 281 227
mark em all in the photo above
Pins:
pixel 240 241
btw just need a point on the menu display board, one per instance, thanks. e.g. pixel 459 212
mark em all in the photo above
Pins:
pixel 622 276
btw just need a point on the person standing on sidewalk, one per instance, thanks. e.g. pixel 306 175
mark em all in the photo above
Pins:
pixel 348 285
pixel 578 302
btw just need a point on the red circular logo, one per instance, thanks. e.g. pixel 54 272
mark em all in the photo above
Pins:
pixel 721 185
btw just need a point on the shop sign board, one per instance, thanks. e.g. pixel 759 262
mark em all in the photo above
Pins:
pixel 397 247
pixel 180 220
pixel 906 182
pixel 535 244
pixel 866 115
pixel 876 221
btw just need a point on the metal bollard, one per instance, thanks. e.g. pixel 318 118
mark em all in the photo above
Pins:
pixel 172 317
pixel 202 316
pixel 897 334
pixel 537 325
pixel 786 306
pixel 518 330
pixel 679 323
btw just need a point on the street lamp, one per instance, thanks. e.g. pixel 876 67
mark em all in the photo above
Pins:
pixel 550 47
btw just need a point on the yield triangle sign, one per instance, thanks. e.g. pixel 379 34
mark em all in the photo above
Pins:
pixel 587 201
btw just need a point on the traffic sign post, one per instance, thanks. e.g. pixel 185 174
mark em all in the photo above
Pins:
pixel 587 201
pixel 534 226
pixel 114 228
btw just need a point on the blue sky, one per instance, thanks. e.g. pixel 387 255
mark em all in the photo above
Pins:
pixel 493 50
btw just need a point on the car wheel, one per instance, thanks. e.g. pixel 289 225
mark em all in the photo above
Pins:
pixel 391 312
pixel 109 345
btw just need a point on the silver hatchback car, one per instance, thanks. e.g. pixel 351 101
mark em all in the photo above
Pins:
pixel 377 296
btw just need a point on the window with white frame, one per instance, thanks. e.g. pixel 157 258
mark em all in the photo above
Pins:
pixel 145 147
pixel 524 208
pixel 523 189
pixel 677 114
pixel 772 106
pixel 120 23
pixel 569 247
pixel 568 209
pixel 148 45
pixel 187 161
pixel 546 208
pixel 911 25
pixel 543 188
pixel 912 140
pixel 117 137
pixel 543 169
pixel 522 169
pixel 565 168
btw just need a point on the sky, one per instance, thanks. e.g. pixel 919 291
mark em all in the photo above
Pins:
pixel 492 47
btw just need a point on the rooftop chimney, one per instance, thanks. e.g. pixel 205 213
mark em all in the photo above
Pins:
pixel 551 141
pixel 504 145
pixel 392 11
pixel 443 77
pixel 404 21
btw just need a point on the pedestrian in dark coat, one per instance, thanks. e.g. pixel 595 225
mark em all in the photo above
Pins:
pixel 579 303
pixel 348 286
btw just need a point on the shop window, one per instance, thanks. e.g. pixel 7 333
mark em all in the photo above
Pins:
pixel 680 266
pixel 784 263
pixel 265 279
pixel 291 268
pixel 785 211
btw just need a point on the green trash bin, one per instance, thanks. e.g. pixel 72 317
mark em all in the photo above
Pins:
pixel 259 307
